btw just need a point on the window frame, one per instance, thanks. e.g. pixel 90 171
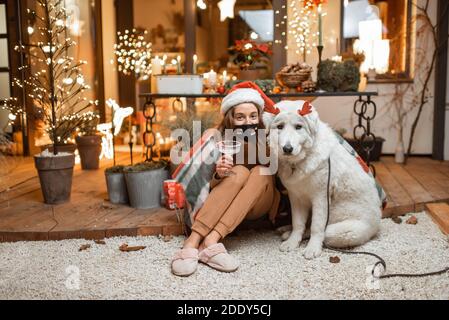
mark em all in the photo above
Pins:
pixel 6 36
pixel 404 77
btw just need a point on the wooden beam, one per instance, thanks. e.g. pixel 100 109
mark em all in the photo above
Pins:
pixel 125 21
pixel 441 81
pixel 189 33
pixel 99 67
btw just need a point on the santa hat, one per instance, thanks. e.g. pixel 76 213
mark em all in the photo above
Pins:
pixel 247 92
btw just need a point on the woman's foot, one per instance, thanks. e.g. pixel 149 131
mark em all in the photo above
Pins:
pixel 216 256
pixel 185 262
pixel 193 241
pixel 212 238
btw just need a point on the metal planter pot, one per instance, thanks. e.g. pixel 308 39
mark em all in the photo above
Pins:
pixel 375 154
pixel 145 188
pixel 55 176
pixel 117 191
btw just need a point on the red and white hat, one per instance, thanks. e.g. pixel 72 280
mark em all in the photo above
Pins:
pixel 246 92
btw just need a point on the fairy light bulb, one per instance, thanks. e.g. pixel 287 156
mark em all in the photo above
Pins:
pixel 248 46
pixel 201 4
pixel 67 81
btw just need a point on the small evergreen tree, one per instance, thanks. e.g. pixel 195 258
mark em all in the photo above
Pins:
pixel 54 80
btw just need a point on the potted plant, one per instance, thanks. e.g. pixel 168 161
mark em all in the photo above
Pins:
pixel 64 138
pixel 88 142
pixel 116 185
pixel 247 54
pixel 55 84
pixel 336 76
pixel 144 182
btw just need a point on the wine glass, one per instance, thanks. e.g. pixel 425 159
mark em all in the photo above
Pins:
pixel 229 147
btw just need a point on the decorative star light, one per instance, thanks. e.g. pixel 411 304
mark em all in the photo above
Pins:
pixel 226 9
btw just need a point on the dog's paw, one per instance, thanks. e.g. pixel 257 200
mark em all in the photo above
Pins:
pixel 284 229
pixel 289 245
pixel 286 235
pixel 312 251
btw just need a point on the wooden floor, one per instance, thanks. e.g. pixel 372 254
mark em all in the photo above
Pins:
pixel 410 187
pixel 23 216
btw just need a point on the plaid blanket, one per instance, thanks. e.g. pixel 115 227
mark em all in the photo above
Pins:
pixel 350 149
pixel 195 173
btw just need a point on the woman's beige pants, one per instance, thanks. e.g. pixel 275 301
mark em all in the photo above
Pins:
pixel 245 195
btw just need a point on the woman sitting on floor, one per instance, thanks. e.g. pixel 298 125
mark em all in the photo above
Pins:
pixel 244 193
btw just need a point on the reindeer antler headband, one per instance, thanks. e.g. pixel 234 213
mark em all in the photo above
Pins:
pixel 306 109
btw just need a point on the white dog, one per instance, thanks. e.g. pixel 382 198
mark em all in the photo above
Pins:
pixel 304 145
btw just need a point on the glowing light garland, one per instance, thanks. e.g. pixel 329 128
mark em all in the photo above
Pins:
pixel 300 26
pixel 133 54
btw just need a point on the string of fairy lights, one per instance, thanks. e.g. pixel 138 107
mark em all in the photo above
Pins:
pixel 54 81
pixel 133 53
pixel 300 26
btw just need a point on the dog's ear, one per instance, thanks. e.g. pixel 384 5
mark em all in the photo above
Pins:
pixel 311 117
pixel 268 120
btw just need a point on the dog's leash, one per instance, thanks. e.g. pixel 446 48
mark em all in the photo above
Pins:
pixel 380 261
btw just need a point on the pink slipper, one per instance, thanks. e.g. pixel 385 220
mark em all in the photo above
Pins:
pixel 185 262
pixel 216 256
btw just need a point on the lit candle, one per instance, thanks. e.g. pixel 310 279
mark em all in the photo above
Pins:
pixel 225 77
pixel 212 78
pixel 320 26
pixel 178 58
pixel 206 78
pixel 195 61
pixel 156 66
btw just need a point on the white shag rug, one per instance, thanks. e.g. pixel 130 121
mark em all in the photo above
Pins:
pixel 57 270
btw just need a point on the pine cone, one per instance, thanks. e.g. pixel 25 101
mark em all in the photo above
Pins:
pixel 309 86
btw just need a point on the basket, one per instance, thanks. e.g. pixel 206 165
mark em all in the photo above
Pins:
pixel 293 80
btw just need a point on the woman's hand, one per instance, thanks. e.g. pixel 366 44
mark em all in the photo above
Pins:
pixel 224 165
